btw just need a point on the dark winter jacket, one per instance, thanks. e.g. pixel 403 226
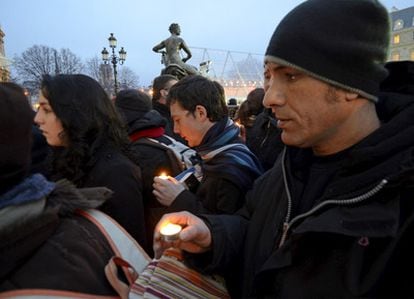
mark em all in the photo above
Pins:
pixel 112 169
pixel 356 241
pixel 45 244
pixel 226 176
pixel 152 160
pixel 164 110
pixel 263 139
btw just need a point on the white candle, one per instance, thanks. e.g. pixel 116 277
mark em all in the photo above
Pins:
pixel 170 232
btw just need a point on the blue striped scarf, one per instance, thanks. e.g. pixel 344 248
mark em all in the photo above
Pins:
pixel 224 155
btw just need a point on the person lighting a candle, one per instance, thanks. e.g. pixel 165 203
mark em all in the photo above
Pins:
pixel 334 216
pixel 200 116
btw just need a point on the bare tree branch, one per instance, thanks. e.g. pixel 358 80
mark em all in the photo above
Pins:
pixel 40 60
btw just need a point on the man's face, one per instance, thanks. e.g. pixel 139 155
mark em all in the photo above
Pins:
pixel 164 92
pixel 191 126
pixel 309 111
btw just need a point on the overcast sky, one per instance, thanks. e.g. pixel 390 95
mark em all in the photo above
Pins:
pixel 83 26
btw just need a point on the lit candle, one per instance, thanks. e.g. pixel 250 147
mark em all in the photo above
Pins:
pixel 163 176
pixel 170 232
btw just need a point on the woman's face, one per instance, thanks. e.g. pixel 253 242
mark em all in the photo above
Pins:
pixel 49 123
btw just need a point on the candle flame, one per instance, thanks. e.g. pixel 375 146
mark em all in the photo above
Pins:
pixel 170 229
pixel 163 176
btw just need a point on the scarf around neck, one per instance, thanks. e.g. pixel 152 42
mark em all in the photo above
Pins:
pixel 224 155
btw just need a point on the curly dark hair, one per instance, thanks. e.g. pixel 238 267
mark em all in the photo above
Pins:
pixel 89 120
pixel 174 27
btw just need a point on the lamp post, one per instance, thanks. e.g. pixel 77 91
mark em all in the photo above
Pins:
pixel 114 59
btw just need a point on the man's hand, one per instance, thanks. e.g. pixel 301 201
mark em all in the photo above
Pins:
pixel 195 236
pixel 166 190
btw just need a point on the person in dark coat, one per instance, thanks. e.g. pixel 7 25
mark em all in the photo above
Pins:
pixel 160 88
pixel 90 146
pixel 40 149
pixel 143 122
pixel 228 168
pixel 334 217
pixel 250 108
pixel 401 77
pixel 264 139
pixel 44 242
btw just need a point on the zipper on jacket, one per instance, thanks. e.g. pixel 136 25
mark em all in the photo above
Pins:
pixel 288 223
pixel 267 134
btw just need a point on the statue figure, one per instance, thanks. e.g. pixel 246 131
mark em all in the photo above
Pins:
pixel 173 45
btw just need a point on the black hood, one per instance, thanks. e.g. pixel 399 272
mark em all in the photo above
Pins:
pixel 22 239
pixel 151 119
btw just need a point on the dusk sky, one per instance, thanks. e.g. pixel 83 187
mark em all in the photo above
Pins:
pixel 84 26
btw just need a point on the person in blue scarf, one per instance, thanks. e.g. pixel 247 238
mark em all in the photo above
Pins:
pixel 227 168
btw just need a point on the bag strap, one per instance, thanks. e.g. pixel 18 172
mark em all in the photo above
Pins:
pixel 129 256
pixel 111 272
pixel 121 242
pixel 223 148
pixel 52 294
pixel 176 163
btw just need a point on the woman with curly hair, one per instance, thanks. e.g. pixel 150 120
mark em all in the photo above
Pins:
pixel 90 145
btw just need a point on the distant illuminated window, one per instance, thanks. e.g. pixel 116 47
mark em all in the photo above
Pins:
pixel 396 39
pixel 398 24
pixel 395 56
pixel 412 54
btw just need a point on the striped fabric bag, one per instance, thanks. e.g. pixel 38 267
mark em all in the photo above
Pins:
pixel 168 277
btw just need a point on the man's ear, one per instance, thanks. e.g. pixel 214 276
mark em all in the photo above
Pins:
pixel 201 112
pixel 350 96
pixel 164 93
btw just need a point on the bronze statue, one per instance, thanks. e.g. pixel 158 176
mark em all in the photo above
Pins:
pixel 171 56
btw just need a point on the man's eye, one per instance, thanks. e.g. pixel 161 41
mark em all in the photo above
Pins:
pixel 291 77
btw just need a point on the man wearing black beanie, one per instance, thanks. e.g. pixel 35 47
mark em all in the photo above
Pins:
pixel 334 217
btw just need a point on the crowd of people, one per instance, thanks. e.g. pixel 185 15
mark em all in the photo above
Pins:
pixel 303 193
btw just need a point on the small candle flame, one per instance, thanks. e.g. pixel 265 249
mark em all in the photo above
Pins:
pixel 163 176
pixel 170 229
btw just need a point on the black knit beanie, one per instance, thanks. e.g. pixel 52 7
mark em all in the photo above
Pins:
pixel 16 120
pixel 132 104
pixel 341 42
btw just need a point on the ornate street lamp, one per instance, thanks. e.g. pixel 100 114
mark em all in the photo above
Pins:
pixel 113 58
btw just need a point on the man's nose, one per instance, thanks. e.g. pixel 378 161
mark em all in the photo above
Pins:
pixel 273 97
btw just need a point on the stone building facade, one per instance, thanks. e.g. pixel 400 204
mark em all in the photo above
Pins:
pixel 4 62
pixel 402 34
